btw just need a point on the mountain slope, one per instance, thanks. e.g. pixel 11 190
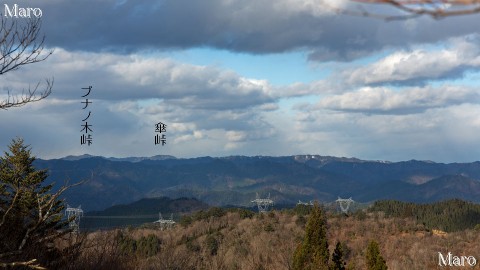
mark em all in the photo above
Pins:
pixel 235 180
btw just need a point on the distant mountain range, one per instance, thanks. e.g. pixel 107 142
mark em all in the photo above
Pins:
pixel 236 180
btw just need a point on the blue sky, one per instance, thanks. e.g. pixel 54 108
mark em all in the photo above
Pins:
pixel 278 68
pixel 251 77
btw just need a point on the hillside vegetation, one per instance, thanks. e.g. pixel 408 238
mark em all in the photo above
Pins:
pixel 449 216
pixel 219 239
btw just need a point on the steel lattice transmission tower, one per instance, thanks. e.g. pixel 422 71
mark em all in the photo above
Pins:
pixel 305 203
pixel 74 215
pixel 165 223
pixel 263 204
pixel 344 204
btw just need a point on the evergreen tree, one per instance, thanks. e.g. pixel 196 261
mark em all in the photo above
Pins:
pixel 375 261
pixel 451 215
pixel 338 262
pixel 148 246
pixel 313 252
pixel 30 216
pixel 212 244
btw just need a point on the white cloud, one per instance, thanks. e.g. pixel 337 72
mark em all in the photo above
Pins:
pixel 420 64
pixel 317 8
pixel 383 100
pixel 441 134
pixel 205 107
pixel 119 77
pixel 194 136
pixel 402 66
pixel 236 136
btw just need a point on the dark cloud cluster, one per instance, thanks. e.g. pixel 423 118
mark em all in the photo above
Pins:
pixel 252 26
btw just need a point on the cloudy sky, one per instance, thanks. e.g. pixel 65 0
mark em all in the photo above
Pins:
pixel 250 77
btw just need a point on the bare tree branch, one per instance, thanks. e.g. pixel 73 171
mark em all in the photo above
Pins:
pixel 12 204
pixel 27 96
pixel 42 218
pixel 30 264
pixel 413 8
pixel 21 44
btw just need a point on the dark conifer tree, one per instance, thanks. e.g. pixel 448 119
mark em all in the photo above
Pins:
pixel 374 260
pixel 338 261
pixel 30 215
pixel 313 252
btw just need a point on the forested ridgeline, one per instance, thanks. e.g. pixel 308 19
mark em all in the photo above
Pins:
pixel 449 216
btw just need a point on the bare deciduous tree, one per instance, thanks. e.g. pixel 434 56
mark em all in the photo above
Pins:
pixel 413 8
pixel 21 43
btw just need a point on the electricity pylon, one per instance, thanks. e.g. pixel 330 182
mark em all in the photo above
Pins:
pixel 263 204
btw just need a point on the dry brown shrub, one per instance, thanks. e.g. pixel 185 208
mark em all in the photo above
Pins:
pixel 245 244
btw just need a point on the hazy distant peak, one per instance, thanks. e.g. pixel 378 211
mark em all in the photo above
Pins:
pixel 324 159
pixel 138 159
pixel 128 159
pixel 73 158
